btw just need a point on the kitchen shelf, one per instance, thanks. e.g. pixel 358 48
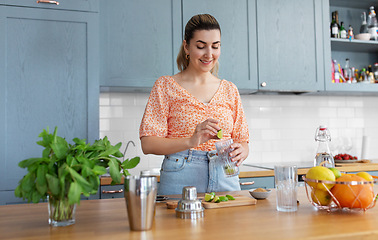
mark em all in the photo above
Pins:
pixel 354 45
pixel 353 3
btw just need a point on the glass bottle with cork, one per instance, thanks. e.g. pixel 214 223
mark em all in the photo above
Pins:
pixel 323 153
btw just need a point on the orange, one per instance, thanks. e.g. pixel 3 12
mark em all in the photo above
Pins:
pixel 353 196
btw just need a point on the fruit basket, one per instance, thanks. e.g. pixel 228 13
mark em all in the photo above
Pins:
pixel 341 195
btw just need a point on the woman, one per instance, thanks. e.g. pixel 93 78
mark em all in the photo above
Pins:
pixel 185 111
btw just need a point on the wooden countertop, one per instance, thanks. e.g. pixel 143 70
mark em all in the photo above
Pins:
pixel 107 219
pixel 247 171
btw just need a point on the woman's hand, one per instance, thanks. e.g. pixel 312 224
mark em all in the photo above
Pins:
pixel 240 152
pixel 204 131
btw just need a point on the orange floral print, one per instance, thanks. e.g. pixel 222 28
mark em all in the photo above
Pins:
pixel 172 112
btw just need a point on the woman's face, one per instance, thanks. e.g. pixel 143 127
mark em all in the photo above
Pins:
pixel 203 49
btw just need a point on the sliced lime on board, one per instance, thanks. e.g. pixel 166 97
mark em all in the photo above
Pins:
pixel 209 197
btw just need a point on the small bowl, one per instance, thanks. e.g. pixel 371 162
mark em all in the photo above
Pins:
pixel 363 36
pixel 260 195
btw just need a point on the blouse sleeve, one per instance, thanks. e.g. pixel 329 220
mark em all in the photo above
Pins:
pixel 240 132
pixel 154 121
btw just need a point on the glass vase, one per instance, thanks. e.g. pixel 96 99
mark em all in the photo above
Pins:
pixel 61 213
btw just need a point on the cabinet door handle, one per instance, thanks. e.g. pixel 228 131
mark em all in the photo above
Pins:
pixel 263 84
pixel 246 183
pixel 47 1
pixel 112 192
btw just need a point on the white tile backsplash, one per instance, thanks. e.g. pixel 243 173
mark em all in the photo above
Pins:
pixel 281 127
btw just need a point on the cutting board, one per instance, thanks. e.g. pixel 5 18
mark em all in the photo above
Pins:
pixel 240 200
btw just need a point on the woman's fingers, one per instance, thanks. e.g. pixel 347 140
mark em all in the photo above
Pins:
pixel 238 154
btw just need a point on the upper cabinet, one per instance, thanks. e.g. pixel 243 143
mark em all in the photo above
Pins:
pixel 360 53
pixel 139 41
pixel 49 77
pixel 75 5
pixel 237 19
pixel 290 46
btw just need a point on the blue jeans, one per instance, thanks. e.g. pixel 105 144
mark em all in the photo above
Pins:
pixel 194 168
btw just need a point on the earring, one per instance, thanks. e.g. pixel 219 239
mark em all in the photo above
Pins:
pixel 187 56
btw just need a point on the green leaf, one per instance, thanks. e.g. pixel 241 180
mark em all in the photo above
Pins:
pixel 79 179
pixel 86 171
pixel 53 183
pixel 28 182
pixel 132 163
pixel 17 191
pixel 99 170
pixel 42 189
pixel 71 160
pixel 79 141
pixel 95 182
pixel 36 196
pixel 41 174
pixel 111 150
pixel 126 173
pixel 46 152
pixel 60 147
pixel 114 170
pixel 27 162
pixel 74 193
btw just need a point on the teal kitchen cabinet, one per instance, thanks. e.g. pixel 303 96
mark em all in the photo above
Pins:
pixel 290 45
pixel 75 5
pixel 49 77
pixel 360 53
pixel 260 182
pixel 139 42
pixel 237 19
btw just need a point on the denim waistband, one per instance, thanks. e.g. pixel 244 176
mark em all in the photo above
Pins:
pixel 191 152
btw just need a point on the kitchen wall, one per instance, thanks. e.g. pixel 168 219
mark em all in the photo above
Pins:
pixel 282 127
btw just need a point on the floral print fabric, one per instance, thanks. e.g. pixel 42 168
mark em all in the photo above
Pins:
pixel 172 112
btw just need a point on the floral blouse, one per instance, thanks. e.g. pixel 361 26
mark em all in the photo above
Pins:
pixel 172 112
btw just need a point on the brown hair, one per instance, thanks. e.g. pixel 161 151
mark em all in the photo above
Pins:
pixel 196 23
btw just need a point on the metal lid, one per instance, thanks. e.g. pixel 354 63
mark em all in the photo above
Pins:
pixel 189 206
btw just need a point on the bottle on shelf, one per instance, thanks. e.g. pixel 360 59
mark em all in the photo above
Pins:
pixel 356 75
pixel 337 22
pixel 376 71
pixel 323 154
pixel 372 24
pixel 336 72
pixel 350 33
pixel 353 76
pixel 334 27
pixel 343 32
pixel 347 71
pixel 363 77
pixel 364 28
pixel 371 78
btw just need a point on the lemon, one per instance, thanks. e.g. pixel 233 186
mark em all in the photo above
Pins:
pixel 366 176
pixel 209 197
pixel 230 197
pixel 336 172
pixel 220 134
pixel 321 197
pixel 320 173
